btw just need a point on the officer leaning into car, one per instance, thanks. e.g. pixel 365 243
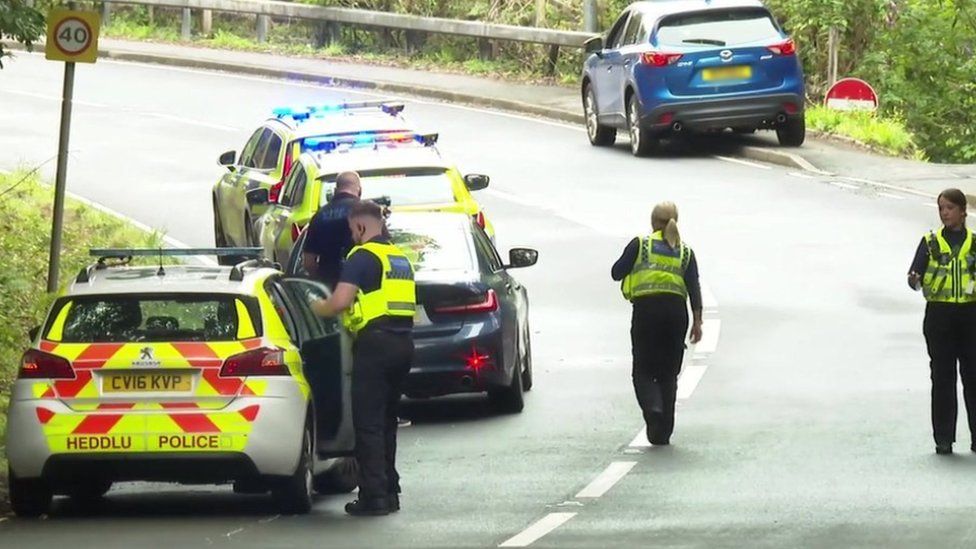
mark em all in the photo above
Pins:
pixel 944 269
pixel 659 274
pixel 329 240
pixel 376 297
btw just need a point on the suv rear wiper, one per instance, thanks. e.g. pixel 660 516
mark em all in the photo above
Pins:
pixel 708 41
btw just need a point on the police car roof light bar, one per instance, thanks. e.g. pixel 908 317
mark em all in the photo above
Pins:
pixel 301 114
pixel 329 144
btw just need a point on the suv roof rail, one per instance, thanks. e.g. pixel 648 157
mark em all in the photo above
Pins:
pixel 237 272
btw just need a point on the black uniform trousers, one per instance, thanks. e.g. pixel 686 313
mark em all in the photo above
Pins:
pixel 657 332
pixel 950 335
pixel 381 361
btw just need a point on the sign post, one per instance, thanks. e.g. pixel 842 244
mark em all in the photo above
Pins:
pixel 72 37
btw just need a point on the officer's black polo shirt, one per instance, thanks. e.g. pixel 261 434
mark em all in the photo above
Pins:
pixel 329 236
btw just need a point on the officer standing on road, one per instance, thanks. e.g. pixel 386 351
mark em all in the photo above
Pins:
pixel 329 240
pixel 376 296
pixel 945 270
pixel 659 274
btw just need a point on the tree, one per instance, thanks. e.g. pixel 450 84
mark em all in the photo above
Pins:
pixel 20 22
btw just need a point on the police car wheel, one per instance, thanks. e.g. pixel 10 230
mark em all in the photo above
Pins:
pixel 509 400
pixel 294 494
pixel 343 478
pixel 29 497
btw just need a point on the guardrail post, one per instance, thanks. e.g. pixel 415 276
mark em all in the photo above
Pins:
pixel 106 12
pixel 206 22
pixel 186 24
pixel 591 20
pixel 262 27
pixel 551 60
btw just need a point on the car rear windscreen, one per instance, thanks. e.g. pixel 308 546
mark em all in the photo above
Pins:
pixel 718 28
pixel 154 318
pixel 434 245
pixel 404 187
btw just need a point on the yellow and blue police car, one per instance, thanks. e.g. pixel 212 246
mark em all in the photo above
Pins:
pixel 182 373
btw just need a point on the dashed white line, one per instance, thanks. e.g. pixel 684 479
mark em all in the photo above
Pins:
pixel 536 531
pixel 688 382
pixel 742 162
pixel 843 185
pixel 892 196
pixel 711 327
pixel 605 480
pixel 802 175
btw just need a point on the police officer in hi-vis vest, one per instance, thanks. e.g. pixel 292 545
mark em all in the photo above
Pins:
pixel 376 297
pixel 659 274
pixel 945 270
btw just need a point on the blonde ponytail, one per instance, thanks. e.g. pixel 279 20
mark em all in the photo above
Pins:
pixel 664 218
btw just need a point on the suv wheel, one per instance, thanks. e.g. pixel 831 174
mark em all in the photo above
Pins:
pixel 29 497
pixel 294 494
pixel 793 133
pixel 641 140
pixel 599 134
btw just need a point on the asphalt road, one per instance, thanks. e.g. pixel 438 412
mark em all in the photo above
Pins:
pixel 806 426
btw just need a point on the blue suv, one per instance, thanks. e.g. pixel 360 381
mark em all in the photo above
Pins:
pixel 671 66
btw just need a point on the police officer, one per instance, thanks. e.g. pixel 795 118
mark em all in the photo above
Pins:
pixel 659 274
pixel 376 296
pixel 329 240
pixel 945 270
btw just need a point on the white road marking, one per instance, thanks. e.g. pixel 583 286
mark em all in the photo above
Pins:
pixel 688 382
pixel 889 186
pixel 742 162
pixel 710 332
pixel 929 204
pixel 708 298
pixel 892 196
pixel 801 175
pixel 534 532
pixel 843 185
pixel 232 532
pixel 55 98
pixel 605 480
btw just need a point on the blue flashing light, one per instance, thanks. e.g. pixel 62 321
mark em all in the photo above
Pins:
pixel 301 114
pixel 282 112
pixel 365 138
pixel 320 144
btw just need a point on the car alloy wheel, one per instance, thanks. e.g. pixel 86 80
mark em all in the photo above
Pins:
pixel 590 113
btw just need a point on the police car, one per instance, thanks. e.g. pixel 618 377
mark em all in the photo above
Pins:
pixel 182 373
pixel 254 179
pixel 402 169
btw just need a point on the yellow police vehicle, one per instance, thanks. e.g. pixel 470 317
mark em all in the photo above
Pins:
pixel 255 178
pixel 404 170
pixel 182 373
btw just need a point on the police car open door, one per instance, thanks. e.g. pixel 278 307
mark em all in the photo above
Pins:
pixel 327 361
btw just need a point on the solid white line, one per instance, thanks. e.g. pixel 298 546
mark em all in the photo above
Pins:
pixel 542 527
pixel 894 196
pixel 889 187
pixel 843 185
pixel 711 328
pixel 742 162
pixel 605 480
pixel 688 382
pixel 801 175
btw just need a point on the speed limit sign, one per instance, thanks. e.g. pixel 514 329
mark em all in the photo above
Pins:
pixel 72 36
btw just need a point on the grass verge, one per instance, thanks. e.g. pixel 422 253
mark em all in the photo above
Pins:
pixel 888 135
pixel 25 228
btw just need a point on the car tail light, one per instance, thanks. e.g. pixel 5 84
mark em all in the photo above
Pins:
pixel 38 364
pixel 479 218
pixel 790 108
pixel 259 362
pixel 274 193
pixel 296 231
pixel 286 169
pixel 488 303
pixel 659 59
pixel 786 48
pixel 477 360
pixel 666 118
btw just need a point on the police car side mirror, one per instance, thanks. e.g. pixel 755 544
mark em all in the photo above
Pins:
pixel 228 159
pixel 259 197
pixel 32 333
pixel 476 181
pixel 522 257
pixel 594 45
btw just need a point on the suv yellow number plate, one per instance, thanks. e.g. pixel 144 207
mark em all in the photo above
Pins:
pixel 738 72
pixel 146 383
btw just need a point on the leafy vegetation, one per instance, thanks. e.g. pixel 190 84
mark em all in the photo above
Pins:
pixel 25 228
pixel 888 135
pixel 20 22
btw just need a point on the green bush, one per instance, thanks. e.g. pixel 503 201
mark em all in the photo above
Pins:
pixel 888 134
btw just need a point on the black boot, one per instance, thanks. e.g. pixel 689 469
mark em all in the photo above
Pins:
pixel 393 502
pixel 369 507
pixel 943 449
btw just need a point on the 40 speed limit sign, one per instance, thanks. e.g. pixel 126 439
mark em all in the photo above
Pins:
pixel 72 36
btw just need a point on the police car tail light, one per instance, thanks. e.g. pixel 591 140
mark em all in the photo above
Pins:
pixel 259 362
pixel 786 48
pixel 38 364
pixel 296 231
pixel 487 304
pixel 659 59
pixel 275 191
pixel 479 218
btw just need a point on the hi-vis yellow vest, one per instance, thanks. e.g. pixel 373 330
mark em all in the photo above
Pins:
pixel 397 295
pixel 950 278
pixel 659 269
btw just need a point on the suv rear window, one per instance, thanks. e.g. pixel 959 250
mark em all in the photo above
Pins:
pixel 718 28
pixel 154 318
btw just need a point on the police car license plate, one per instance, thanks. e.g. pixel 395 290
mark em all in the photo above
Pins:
pixel 146 383
pixel 737 72
pixel 420 318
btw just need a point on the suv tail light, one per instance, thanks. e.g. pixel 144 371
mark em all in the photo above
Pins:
pixel 275 191
pixel 786 48
pixel 479 218
pixel 259 362
pixel 659 59
pixel 38 364
pixel 296 231
pixel 488 303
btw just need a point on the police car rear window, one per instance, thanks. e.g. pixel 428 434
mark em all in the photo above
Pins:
pixel 718 28
pixel 154 318
pixel 404 187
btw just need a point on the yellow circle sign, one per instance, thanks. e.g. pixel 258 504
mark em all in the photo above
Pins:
pixel 72 36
